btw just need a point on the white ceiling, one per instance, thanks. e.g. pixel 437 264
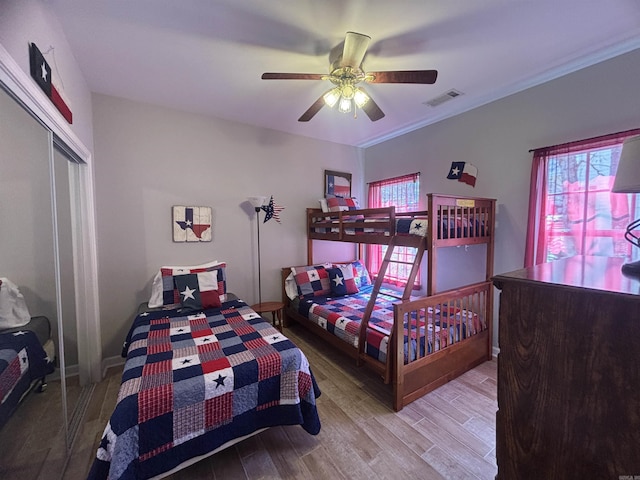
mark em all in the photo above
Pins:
pixel 207 56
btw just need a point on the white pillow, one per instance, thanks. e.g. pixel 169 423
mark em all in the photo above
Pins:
pixel 13 309
pixel 290 287
pixel 323 205
pixel 156 287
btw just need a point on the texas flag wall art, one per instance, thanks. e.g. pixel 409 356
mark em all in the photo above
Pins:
pixel 463 172
pixel 42 74
pixel 191 224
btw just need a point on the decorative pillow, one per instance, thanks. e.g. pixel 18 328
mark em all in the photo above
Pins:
pixel 13 308
pixel 163 291
pixel 312 280
pixel 198 291
pixel 323 205
pixel 360 273
pixel 337 204
pixel 342 281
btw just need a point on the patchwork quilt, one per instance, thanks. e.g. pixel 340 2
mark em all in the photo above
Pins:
pixel 449 227
pixel 195 381
pixel 22 360
pixel 342 316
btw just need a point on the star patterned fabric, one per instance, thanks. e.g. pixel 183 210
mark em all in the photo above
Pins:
pixel 272 211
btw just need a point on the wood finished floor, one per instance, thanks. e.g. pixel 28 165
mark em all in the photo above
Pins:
pixel 447 434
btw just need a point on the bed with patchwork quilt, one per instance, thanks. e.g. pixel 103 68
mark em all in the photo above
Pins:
pixel 24 363
pixel 453 220
pixel 195 382
pixel 342 316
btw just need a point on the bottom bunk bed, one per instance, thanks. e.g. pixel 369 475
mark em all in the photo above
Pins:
pixel 27 355
pixel 416 344
pixel 196 382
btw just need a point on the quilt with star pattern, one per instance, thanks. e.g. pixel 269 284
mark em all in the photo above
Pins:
pixel 193 382
pixel 448 227
pixel 342 315
pixel 22 361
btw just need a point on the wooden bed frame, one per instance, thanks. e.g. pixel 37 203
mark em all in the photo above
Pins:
pixel 419 373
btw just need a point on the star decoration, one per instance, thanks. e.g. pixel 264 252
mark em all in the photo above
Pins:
pixel 313 275
pixel 272 210
pixel 455 171
pixel 144 314
pixel 186 360
pixel 220 381
pixel 188 293
pixel 417 226
pixel 21 332
pixel 44 72
pixel 338 280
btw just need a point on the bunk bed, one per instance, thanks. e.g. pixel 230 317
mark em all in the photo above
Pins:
pixel 417 344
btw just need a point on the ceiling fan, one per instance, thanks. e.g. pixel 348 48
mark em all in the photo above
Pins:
pixel 346 74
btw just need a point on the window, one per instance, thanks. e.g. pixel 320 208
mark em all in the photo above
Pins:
pixel 403 193
pixel 571 208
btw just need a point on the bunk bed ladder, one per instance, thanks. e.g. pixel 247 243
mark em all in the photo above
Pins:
pixel 420 244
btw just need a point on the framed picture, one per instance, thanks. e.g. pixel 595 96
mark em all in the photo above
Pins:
pixel 337 183
pixel 191 224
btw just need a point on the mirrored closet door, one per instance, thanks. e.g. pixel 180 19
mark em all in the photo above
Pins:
pixel 37 234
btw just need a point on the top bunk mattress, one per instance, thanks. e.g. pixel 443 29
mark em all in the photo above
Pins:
pixel 447 227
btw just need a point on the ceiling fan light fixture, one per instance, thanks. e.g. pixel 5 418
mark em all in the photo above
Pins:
pixel 360 98
pixel 348 91
pixel 332 97
pixel 345 105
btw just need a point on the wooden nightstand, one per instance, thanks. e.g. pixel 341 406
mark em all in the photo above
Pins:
pixel 276 311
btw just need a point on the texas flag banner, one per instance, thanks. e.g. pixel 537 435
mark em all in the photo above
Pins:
pixel 338 186
pixel 463 172
pixel 41 73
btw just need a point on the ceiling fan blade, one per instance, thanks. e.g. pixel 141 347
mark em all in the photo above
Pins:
pixel 355 46
pixel 313 109
pixel 292 76
pixel 404 76
pixel 372 110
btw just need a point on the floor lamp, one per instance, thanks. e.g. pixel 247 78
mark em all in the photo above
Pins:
pixel 628 181
pixel 257 203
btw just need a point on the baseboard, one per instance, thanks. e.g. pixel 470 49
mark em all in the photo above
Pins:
pixel 109 362
pixel 495 352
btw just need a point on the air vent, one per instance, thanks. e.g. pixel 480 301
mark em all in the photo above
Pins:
pixel 445 97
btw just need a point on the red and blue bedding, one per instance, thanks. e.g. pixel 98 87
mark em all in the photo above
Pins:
pixel 341 316
pixel 194 382
pixel 448 227
pixel 22 361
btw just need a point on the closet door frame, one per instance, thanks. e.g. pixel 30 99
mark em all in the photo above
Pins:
pixel 28 93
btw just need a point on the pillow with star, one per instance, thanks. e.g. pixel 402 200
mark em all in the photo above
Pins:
pixel 342 281
pixel 164 291
pixel 198 291
pixel 312 281
pixel 360 272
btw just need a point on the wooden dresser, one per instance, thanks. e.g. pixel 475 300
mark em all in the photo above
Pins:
pixel 569 372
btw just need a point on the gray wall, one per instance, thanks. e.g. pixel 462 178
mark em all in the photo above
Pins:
pixel 25 21
pixel 149 158
pixel 496 138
